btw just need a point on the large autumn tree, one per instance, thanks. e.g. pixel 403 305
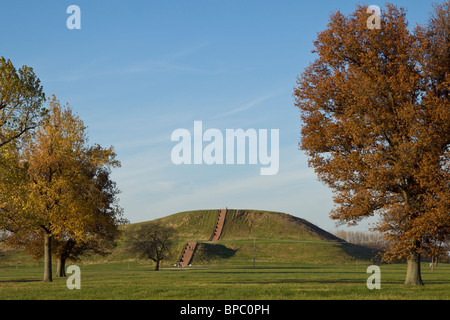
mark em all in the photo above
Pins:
pixel 375 114
pixel 62 198
pixel 100 238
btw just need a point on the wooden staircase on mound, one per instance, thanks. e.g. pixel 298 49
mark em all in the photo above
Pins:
pixel 219 225
pixel 187 254
pixel 189 249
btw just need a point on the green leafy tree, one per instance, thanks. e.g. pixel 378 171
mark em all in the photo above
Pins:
pixel 21 110
pixel 13 180
pixel 21 101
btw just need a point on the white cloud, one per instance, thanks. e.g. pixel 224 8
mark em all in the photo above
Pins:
pixel 248 105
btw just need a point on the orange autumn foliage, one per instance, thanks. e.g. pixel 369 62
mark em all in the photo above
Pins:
pixel 375 114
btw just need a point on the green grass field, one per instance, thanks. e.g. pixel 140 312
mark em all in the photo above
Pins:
pixel 136 281
pixel 294 260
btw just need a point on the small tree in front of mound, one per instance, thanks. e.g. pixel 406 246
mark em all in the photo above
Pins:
pixel 153 241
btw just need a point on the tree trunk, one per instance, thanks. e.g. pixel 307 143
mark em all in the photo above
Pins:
pixel 48 257
pixel 413 275
pixel 61 267
pixel 157 265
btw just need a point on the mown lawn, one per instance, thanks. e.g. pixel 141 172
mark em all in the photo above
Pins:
pixel 136 281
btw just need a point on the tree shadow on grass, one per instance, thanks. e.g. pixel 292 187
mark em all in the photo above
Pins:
pixel 298 281
pixel 20 280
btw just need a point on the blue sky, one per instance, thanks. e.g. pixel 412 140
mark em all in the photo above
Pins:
pixel 138 70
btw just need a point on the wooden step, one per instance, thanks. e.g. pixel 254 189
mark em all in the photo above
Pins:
pixel 219 225
pixel 187 254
